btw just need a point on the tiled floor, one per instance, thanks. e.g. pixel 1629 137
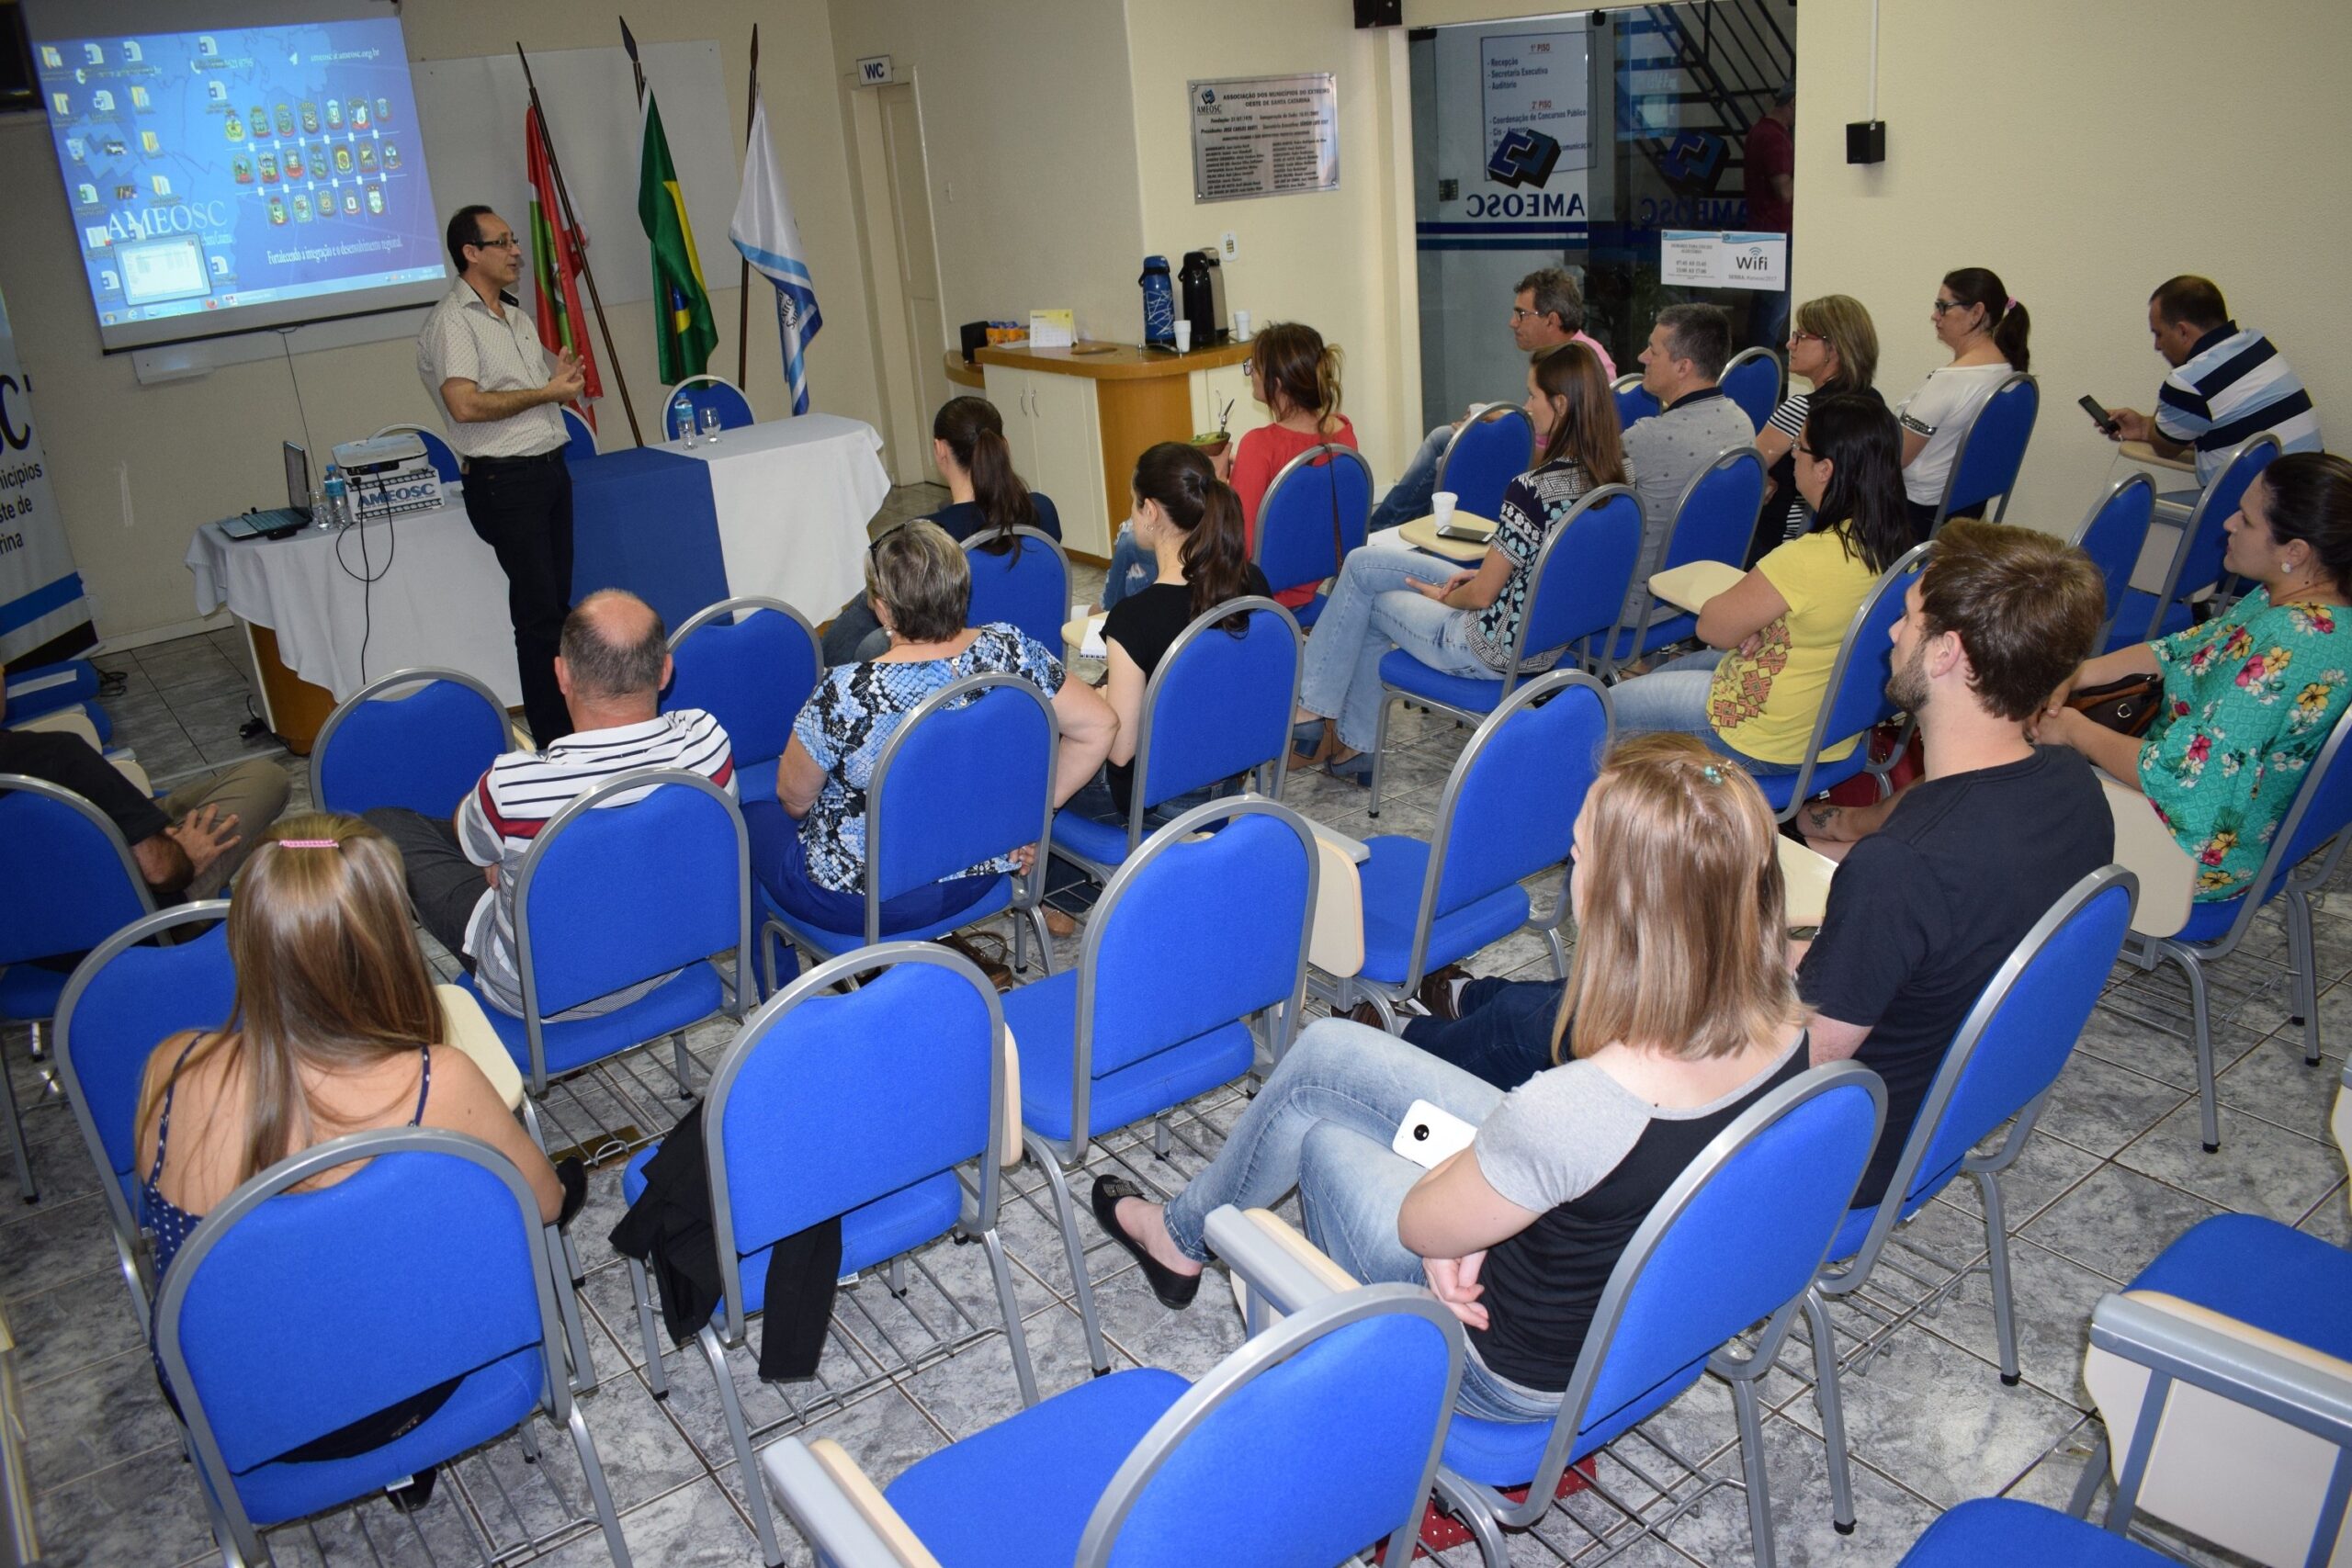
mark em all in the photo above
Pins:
pixel 2112 1174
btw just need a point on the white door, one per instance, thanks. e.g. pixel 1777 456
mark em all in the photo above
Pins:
pixel 1069 459
pixel 926 334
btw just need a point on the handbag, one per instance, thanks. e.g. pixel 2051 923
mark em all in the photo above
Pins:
pixel 2127 706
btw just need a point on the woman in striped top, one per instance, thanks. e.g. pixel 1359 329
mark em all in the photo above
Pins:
pixel 1834 346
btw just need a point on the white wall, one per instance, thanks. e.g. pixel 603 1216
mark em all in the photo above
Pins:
pixel 138 468
pixel 2085 153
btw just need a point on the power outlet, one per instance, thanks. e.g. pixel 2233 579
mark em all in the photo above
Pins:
pixel 1228 248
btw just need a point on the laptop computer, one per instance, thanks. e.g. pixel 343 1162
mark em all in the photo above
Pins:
pixel 279 522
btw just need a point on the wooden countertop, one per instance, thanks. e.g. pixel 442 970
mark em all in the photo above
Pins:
pixel 964 374
pixel 1114 362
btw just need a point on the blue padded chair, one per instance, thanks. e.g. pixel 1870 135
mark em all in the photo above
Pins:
pixel 1731 1244
pixel 2112 535
pixel 1027 585
pixel 40 689
pixel 1507 812
pixel 1985 1530
pixel 808 1119
pixel 2007 1054
pixel 1634 401
pixel 1752 379
pixel 711 392
pixel 1307 1445
pixel 1714 520
pixel 287 1316
pixel 1992 451
pixel 580 437
pixel 420 738
pixel 646 873
pixel 1597 547
pixel 2197 560
pixel 2220 1374
pixel 124 999
pixel 436 451
pixel 750 663
pixel 2303 854
pixel 1486 454
pixel 1219 705
pixel 968 776
pixel 53 840
pixel 1857 700
pixel 1314 513
pixel 1189 943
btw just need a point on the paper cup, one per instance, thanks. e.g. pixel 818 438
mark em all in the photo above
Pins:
pixel 1442 507
pixel 1240 326
pixel 1184 337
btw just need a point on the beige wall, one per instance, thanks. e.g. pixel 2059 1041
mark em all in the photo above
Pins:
pixel 1029 142
pixel 1339 261
pixel 2085 153
pixel 138 468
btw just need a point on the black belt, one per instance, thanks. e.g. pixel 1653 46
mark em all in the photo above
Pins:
pixel 552 455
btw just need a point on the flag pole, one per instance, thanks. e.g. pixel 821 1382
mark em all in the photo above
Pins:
pixel 743 274
pixel 572 221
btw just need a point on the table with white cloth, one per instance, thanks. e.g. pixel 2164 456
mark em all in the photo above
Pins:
pixel 776 509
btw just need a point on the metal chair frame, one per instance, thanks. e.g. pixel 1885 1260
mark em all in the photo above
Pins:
pixel 373 690
pixel 1749 357
pixel 1729 457
pixel 716 381
pixel 1329 455
pixel 1960 454
pixel 1486 416
pixel 2201 518
pixel 1848 648
pixel 2108 497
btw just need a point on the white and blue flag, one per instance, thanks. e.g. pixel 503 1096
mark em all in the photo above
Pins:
pixel 764 231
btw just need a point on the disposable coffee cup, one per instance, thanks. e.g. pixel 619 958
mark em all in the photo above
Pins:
pixel 1184 337
pixel 1442 507
pixel 1240 326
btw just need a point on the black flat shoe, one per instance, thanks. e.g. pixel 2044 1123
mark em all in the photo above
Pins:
pixel 1175 1290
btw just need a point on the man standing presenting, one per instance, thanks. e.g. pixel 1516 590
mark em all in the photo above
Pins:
pixel 1546 312
pixel 501 400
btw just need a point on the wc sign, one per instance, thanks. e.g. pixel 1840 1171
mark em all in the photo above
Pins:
pixel 874 70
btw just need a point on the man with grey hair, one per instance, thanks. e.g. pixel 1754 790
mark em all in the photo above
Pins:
pixel 1688 349
pixel 1546 313
pixel 614 661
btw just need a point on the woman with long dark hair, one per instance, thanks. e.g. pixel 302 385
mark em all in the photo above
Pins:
pixel 984 496
pixel 1774 634
pixel 1455 621
pixel 1986 330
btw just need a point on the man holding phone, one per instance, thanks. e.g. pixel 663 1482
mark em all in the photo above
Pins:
pixel 2227 384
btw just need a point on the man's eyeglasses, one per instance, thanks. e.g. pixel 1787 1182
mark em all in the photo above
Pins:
pixel 504 242
pixel 1516 312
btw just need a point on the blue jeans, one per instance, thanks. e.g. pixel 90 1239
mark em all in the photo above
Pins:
pixel 1504 1032
pixel 1132 568
pixel 1322 1125
pixel 781 866
pixel 1372 609
pixel 1409 497
pixel 1672 699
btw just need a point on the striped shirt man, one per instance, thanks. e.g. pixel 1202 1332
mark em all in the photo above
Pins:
pixel 2235 385
pixel 521 793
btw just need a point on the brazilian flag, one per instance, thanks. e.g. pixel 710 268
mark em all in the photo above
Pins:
pixel 683 332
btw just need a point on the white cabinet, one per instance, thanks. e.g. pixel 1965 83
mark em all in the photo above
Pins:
pixel 1052 425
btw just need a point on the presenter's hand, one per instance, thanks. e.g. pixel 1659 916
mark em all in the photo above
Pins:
pixel 205 835
pixel 568 380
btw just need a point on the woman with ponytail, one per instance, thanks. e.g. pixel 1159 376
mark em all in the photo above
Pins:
pixel 1297 374
pixel 1985 330
pixel 1191 523
pixel 984 496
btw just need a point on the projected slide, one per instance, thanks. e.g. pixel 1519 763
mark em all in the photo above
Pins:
pixel 228 171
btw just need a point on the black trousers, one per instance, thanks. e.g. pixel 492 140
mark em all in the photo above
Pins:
pixel 522 509
pixel 442 882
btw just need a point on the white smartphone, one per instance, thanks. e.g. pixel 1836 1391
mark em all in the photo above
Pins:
pixel 1428 1135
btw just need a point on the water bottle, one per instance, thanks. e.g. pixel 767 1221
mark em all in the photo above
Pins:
pixel 334 510
pixel 1158 302
pixel 682 418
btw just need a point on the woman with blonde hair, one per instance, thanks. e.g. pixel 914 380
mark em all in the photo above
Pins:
pixel 1679 1012
pixel 1456 620
pixel 1833 345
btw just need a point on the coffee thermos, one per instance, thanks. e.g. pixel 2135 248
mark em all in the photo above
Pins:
pixel 1158 302
pixel 1202 284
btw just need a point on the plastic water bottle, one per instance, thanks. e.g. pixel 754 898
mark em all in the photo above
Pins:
pixel 334 511
pixel 682 418
pixel 1158 301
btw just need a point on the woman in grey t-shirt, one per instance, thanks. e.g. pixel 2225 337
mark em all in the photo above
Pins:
pixel 1519 1233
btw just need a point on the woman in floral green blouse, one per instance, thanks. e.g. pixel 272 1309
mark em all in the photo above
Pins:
pixel 2249 697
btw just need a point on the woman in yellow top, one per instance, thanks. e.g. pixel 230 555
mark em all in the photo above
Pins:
pixel 1774 634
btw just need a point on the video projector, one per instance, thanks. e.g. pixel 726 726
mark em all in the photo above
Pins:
pixel 388 474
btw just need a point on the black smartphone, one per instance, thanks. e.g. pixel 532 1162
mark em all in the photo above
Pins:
pixel 2099 416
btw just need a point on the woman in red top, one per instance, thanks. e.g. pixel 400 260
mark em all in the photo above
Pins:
pixel 1297 374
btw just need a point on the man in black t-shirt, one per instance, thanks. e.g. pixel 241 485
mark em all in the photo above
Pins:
pixel 1939 884
pixel 187 844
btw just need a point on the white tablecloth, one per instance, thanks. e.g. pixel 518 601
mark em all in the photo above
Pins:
pixel 793 498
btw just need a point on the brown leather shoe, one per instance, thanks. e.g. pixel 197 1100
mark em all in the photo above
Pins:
pixel 1437 991
pixel 1364 1012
